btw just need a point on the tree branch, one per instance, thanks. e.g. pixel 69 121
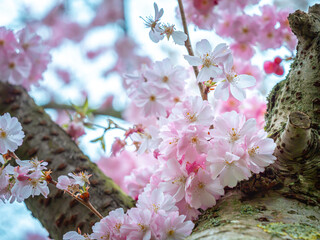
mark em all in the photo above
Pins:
pixel 109 112
pixel 189 48
pixel 59 213
pixel 297 139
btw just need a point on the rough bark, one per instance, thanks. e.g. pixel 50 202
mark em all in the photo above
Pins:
pixel 283 202
pixel 59 213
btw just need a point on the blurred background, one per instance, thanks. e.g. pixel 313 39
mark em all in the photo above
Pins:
pixel 93 43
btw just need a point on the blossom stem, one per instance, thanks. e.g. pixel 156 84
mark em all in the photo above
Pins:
pixel 189 47
pixel 85 203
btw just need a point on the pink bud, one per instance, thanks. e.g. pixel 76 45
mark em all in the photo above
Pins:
pixel 279 70
pixel 268 67
pixel 277 60
pixel 22 177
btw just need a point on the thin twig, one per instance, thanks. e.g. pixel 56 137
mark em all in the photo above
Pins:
pixel 189 47
pixel 110 111
pixel 85 203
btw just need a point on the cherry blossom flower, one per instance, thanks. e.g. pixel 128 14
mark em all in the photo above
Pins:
pixel 11 133
pixel 235 82
pixel 152 100
pixel 202 191
pixel 178 37
pixel 8 41
pixel 226 161
pixel 174 227
pixel 64 182
pixel 165 75
pixel 153 23
pixel 81 178
pixel 14 67
pixel 138 180
pixel 193 111
pixel 157 202
pixel 73 235
pixel 208 59
pixel 174 179
pixel 138 223
pixel 148 139
pixel 232 127
pixel 259 152
pixel 193 140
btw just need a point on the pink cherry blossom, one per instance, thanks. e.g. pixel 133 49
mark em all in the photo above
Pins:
pixel 226 161
pixel 165 75
pixel 174 227
pixel 174 179
pixel 152 100
pixel 157 202
pixel 232 127
pixel 202 191
pixel 259 152
pixel 11 133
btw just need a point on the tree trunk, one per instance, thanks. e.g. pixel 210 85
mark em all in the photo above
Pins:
pixel 59 213
pixel 281 203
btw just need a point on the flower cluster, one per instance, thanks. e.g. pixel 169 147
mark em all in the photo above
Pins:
pixel 217 65
pixel 27 179
pixel 155 217
pixel 198 155
pixel 23 57
pixel 76 184
pixel 11 133
pixel 269 29
pixel 274 66
pixel 155 90
pixel 158 30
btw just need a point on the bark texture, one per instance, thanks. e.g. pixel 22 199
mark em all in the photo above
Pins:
pixel 59 213
pixel 283 202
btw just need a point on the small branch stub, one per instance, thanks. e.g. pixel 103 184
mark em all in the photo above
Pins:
pixel 296 138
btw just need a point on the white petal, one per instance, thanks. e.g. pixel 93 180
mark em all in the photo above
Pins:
pixel 208 72
pixel 155 36
pixel 179 37
pixel 245 81
pixel 237 92
pixel 203 47
pixel 222 91
pixel 193 61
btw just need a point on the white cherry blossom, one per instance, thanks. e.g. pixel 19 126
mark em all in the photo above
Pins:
pixel 208 59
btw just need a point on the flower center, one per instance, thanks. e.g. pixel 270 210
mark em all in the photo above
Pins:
pixel 142 227
pixel 194 140
pixel 191 117
pixel 11 65
pixel 165 79
pixel 3 134
pixel 234 135
pixel 155 207
pixel 171 232
pixel 201 185
pixel 152 98
pixel 252 151
pixel 1 42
